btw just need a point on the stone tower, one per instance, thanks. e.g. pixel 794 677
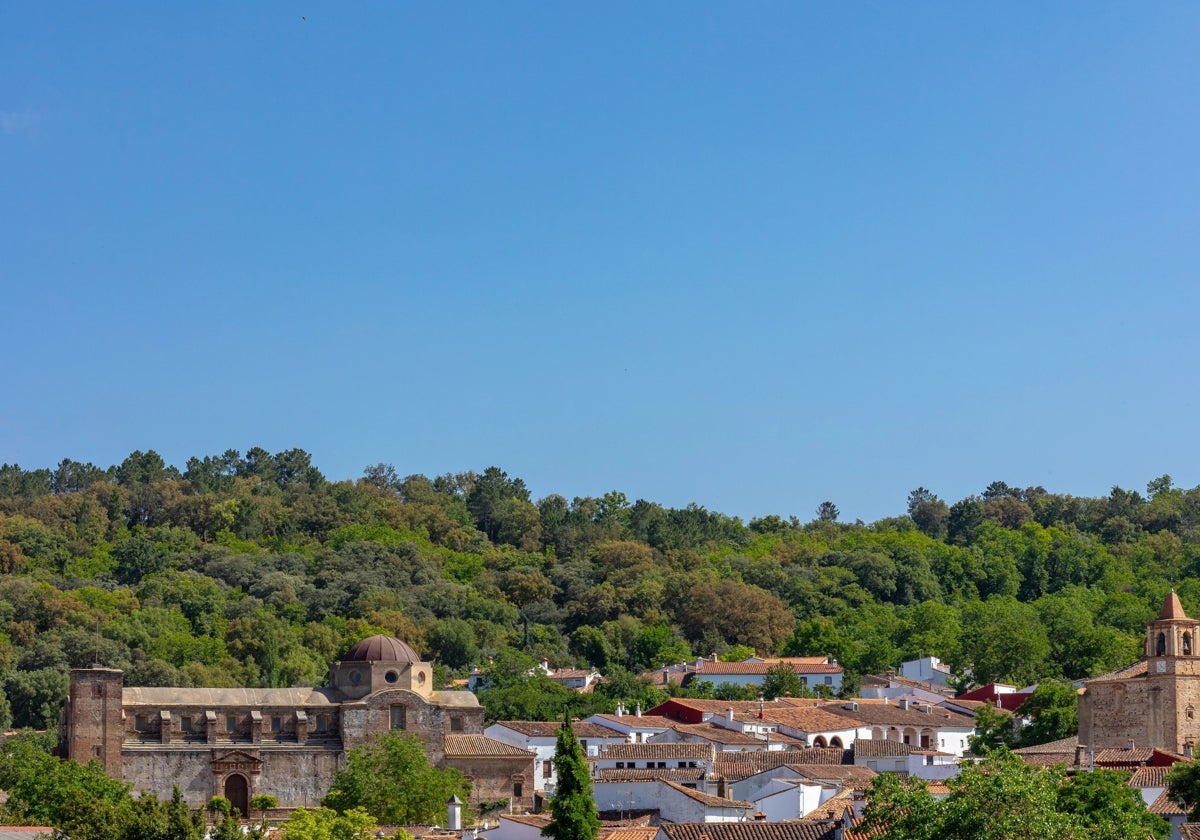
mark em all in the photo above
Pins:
pixel 1154 701
pixel 94 719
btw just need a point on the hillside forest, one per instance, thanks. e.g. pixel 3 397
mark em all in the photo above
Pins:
pixel 256 570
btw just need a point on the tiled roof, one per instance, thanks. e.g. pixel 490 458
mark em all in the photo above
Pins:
pixel 756 830
pixel 536 820
pixel 792 660
pixel 165 698
pixel 1171 608
pixel 1061 745
pixel 707 799
pixel 809 720
pixel 1049 759
pixel 886 714
pixel 549 728
pixel 848 775
pixel 629 833
pixel 648 774
pixel 879 748
pixel 661 750
pixel 1135 756
pixel 1149 777
pixel 1137 669
pixel 463 746
pixel 637 721
pixel 737 766
pixel 1165 806
pixel 1190 831
pixel 719 707
pixel 716 734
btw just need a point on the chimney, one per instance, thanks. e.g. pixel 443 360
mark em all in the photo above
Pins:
pixel 1129 745
pixel 729 713
pixel 713 656
pixel 455 814
pixel 1188 749
pixel 904 703
pixel 638 713
pixel 1080 754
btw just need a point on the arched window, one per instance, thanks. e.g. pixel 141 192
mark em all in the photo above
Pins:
pixel 819 741
pixel 835 741
pixel 1160 649
pixel 1187 644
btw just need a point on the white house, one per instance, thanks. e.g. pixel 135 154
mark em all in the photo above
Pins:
pixel 923 725
pixel 813 671
pixel 721 738
pixel 539 737
pixel 673 801
pixel 637 728
pixel 928 669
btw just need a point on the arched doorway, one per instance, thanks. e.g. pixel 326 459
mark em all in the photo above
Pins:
pixel 237 791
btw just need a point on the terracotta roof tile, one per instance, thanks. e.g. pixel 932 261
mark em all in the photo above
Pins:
pixel 549 728
pixel 660 750
pixel 708 799
pixel 1128 757
pixel 809 720
pixel 462 746
pixel 1149 777
pixel 756 830
pixel 848 775
pixel 629 833
pixel 879 748
pixel 1171 608
pixel 716 734
pixel 887 714
pixel 1165 806
pixel 652 774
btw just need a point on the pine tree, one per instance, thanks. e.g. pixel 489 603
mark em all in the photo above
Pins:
pixel 572 808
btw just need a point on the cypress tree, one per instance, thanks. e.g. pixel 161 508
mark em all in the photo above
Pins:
pixel 572 808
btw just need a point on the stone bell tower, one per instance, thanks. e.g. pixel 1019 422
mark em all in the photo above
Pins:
pixel 1173 672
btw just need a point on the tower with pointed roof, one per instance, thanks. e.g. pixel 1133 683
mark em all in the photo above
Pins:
pixel 1153 702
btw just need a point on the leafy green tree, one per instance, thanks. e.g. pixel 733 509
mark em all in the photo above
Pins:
pixel 392 780
pixel 1000 799
pixel 327 824
pixel 572 807
pixel 1104 801
pixel 1053 706
pixel 993 730
pixel 781 680
pixel 1183 784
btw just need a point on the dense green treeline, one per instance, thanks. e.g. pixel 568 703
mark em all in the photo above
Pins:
pixel 255 569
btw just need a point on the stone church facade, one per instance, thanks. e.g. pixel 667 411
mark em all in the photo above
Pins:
pixel 286 742
pixel 1152 703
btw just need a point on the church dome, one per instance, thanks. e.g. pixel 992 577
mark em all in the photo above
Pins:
pixel 381 649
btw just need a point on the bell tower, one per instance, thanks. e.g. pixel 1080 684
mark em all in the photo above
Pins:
pixel 1173 674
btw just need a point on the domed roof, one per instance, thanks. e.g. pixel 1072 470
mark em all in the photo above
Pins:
pixel 381 649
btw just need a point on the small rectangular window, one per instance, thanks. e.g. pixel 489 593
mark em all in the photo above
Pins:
pixel 398 718
pixel 97 691
pixel 322 724
pixel 829 681
pixel 141 723
pixel 456 724
pixel 276 724
pixel 230 724
pixel 185 723
pixel 547 769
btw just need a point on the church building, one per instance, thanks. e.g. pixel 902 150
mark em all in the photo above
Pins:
pixel 1151 703
pixel 286 742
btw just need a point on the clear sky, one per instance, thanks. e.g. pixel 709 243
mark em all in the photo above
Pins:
pixel 750 255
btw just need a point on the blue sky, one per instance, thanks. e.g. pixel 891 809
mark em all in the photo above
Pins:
pixel 753 256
